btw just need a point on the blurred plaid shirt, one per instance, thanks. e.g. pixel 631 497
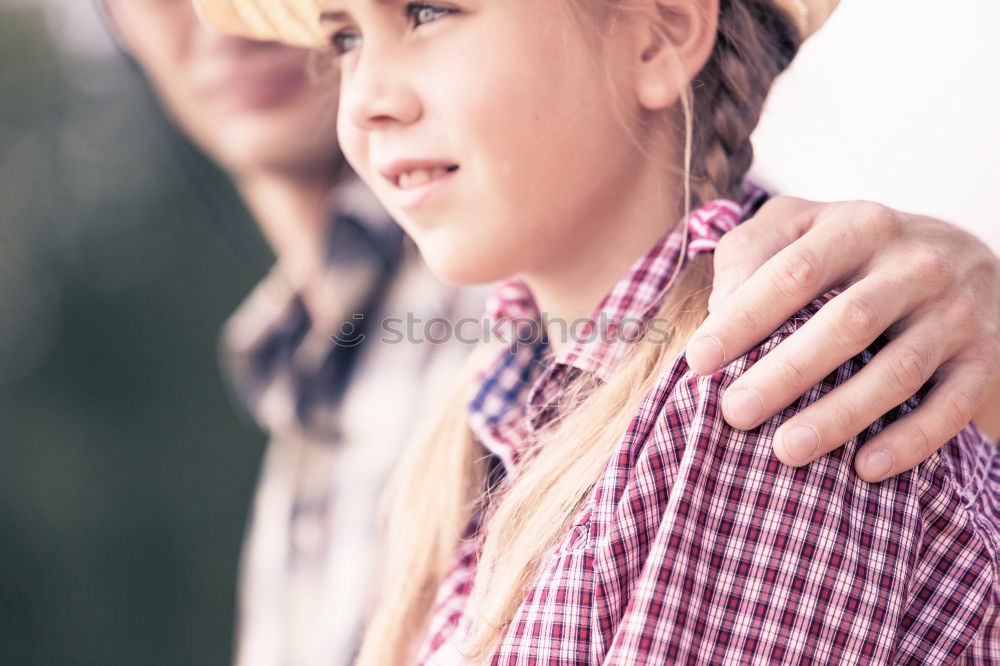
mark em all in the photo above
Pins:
pixel 338 415
pixel 698 546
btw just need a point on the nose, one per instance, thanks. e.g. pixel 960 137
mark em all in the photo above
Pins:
pixel 375 91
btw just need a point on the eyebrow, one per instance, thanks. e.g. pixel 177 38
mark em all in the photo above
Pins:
pixel 333 17
pixel 340 15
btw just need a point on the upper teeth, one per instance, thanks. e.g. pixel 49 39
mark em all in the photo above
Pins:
pixel 418 177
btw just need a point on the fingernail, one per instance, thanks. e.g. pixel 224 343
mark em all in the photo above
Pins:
pixel 878 464
pixel 725 284
pixel 745 407
pixel 800 443
pixel 706 355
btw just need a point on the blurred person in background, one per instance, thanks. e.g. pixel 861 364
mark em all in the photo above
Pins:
pixel 337 410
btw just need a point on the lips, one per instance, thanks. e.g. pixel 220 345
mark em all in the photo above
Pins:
pixel 416 181
pixel 418 177
pixel 411 174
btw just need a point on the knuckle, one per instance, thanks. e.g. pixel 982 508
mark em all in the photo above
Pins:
pixel 919 440
pixel 788 375
pixel 879 222
pixel 857 320
pixel 850 419
pixel 991 331
pixel 728 243
pixel 964 311
pixel 799 270
pixel 908 370
pixel 931 263
pixel 988 355
pixel 744 319
pixel 779 204
pixel 960 406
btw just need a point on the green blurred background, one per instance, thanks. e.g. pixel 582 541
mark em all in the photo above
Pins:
pixel 126 470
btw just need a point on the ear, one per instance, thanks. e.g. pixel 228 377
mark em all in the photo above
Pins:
pixel 675 40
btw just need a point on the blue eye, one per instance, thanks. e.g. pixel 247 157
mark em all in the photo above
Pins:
pixel 344 41
pixel 421 13
pixel 418 13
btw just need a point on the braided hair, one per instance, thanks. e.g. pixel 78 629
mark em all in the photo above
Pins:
pixel 756 42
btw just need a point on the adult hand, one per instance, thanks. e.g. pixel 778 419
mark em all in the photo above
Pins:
pixel 932 288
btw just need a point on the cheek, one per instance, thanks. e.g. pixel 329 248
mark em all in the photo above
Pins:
pixel 182 103
pixel 353 146
pixel 167 63
pixel 555 137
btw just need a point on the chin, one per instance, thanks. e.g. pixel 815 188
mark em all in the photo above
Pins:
pixel 250 142
pixel 463 273
pixel 463 266
pixel 270 156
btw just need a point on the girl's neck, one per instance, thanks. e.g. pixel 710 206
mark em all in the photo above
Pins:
pixel 573 284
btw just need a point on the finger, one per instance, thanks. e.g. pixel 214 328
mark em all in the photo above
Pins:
pixel 943 413
pixel 988 416
pixel 826 255
pixel 843 328
pixel 777 224
pixel 896 372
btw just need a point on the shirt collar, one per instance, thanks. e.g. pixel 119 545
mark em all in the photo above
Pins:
pixel 285 370
pixel 518 391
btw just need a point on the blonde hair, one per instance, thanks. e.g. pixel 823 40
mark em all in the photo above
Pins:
pixel 444 481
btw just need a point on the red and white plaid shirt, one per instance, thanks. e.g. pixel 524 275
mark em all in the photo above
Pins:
pixel 698 546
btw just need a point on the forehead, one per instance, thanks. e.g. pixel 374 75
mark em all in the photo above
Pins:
pixel 332 10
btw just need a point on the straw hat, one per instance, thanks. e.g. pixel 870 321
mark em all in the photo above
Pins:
pixel 296 22
pixel 810 15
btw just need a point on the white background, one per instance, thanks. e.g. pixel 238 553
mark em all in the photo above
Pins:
pixel 896 101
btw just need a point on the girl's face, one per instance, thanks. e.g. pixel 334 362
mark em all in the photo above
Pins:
pixel 490 129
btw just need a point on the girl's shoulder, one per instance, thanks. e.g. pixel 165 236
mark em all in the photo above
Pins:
pixel 718 527
pixel 686 421
pixel 970 460
pixel 682 416
pixel 930 535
